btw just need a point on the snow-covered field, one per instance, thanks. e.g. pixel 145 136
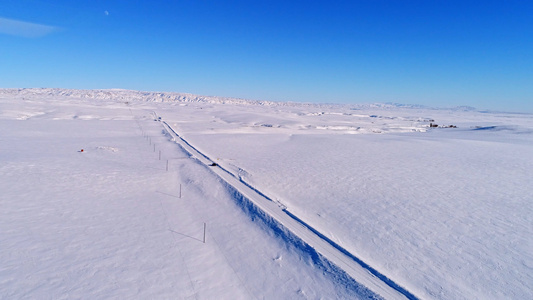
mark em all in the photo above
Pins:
pixel 445 213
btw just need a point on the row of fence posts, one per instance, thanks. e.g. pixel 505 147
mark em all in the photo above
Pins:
pixel 167 166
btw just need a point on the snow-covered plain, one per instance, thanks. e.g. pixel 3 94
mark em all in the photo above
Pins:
pixel 446 213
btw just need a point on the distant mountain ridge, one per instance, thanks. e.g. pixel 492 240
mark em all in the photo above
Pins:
pixel 124 95
pixel 141 96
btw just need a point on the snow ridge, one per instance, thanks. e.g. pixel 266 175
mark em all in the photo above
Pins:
pixel 373 271
pixel 275 225
pixel 293 241
pixel 256 211
pixel 256 214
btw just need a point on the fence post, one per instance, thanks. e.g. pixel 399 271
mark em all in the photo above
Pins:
pixel 204 231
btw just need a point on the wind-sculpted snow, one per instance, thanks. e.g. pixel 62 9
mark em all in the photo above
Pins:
pixel 306 251
pixel 436 200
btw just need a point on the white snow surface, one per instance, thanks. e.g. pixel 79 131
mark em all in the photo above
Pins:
pixel 446 213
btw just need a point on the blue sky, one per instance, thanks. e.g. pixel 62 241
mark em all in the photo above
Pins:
pixel 436 53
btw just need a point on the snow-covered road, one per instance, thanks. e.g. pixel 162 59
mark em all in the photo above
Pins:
pixel 358 270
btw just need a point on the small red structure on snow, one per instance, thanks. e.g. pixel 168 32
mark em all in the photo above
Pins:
pixel 81 150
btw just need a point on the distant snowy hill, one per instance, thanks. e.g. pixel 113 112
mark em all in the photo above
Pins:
pixel 140 96
pixel 122 95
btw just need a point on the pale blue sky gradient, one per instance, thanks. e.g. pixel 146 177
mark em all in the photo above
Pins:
pixel 436 53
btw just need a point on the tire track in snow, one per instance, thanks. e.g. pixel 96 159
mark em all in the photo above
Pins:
pixel 357 269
